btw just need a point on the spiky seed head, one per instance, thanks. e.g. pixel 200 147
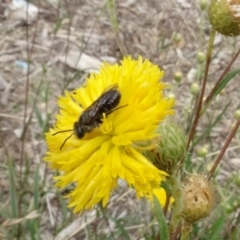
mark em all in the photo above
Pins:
pixel 171 148
pixel 198 198
pixel 224 16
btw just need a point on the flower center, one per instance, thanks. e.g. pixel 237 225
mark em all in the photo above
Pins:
pixel 107 125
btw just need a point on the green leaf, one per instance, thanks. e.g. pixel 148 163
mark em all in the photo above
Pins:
pixel 38 115
pixel 120 227
pixel 162 224
pixel 224 82
pixel 36 190
pixel 210 127
pixel 216 228
pixel 57 25
pixel 123 232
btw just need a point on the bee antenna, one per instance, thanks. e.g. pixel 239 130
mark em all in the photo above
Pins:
pixel 62 131
pixel 65 141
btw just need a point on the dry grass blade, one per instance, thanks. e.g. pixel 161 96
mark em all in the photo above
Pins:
pixel 30 216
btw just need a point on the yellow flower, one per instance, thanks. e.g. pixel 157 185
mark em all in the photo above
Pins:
pixel 112 150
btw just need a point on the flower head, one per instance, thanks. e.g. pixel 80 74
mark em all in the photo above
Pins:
pixel 171 148
pixel 198 198
pixel 111 149
pixel 224 16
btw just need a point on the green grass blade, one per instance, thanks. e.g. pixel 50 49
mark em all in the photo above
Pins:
pixel 224 82
pixel 57 25
pixel 208 130
pixel 12 189
pixel 46 93
pixel 36 190
pixel 163 228
pixel 120 227
pixel 64 210
pixel 216 228
pixel 39 116
pixel 235 233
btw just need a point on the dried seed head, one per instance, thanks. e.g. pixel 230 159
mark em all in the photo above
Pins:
pixel 224 16
pixel 198 198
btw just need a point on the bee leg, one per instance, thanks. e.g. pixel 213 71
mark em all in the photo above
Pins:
pixel 113 110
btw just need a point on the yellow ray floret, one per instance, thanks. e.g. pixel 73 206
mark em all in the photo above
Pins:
pixel 110 151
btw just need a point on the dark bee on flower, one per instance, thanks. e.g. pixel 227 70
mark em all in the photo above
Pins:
pixel 92 116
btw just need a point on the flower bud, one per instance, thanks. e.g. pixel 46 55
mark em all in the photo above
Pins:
pixel 224 16
pixel 203 4
pixel 195 88
pixel 201 57
pixel 171 148
pixel 177 38
pixel 178 76
pixel 202 152
pixel 237 114
pixel 198 198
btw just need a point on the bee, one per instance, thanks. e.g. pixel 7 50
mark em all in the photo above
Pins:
pixel 92 116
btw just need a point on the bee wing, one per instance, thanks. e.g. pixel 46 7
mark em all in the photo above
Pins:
pixel 100 105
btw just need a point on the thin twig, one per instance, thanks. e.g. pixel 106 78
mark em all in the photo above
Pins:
pixel 210 95
pixel 29 50
pixel 224 148
pixel 199 105
pixel 21 182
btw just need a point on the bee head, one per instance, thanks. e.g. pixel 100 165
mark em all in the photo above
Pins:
pixel 79 131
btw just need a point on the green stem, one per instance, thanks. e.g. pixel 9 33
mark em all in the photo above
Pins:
pixel 186 229
pixel 200 100
pixel 224 148
pixel 178 203
pixel 114 23
pixel 211 94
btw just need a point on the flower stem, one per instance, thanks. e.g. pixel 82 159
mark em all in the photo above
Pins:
pixel 166 204
pixel 177 205
pixel 174 236
pixel 186 229
pixel 200 99
pixel 224 148
pixel 210 95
